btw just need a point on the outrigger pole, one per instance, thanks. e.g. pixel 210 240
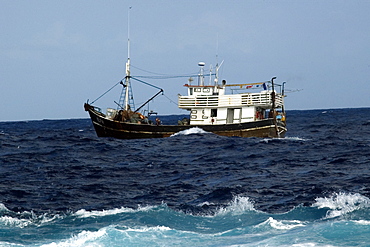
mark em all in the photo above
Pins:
pixel 149 100
pixel 160 91
pixel 282 93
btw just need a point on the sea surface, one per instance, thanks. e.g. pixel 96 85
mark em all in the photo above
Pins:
pixel 60 185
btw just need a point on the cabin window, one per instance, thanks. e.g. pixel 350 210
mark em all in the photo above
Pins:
pixel 193 111
pixel 204 117
pixel 205 90
pixel 190 91
pixel 197 90
pixel 193 116
pixel 213 112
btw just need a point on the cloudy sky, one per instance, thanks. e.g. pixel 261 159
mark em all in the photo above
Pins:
pixel 55 55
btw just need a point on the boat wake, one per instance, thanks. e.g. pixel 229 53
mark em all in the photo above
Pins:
pixel 190 131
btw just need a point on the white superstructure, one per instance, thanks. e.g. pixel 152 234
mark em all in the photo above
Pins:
pixel 211 104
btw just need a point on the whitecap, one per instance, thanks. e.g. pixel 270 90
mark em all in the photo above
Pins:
pixel 46 218
pixel 25 218
pixel 82 213
pixel 206 203
pixel 238 205
pixel 283 224
pixel 84 238
pixel 362 222
pixel 113 235
pixel 3 208
pixel 147 229
pixel 14 222
pixel 342 203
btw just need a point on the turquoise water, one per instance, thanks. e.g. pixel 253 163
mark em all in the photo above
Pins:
pixel 339 220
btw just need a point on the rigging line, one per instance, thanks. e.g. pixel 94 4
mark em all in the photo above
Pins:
pixel 106 92
pixel 170 99
pixel 167 77
pixel 147 71
pixel 171 77
pixel 292 90
pixel 146 83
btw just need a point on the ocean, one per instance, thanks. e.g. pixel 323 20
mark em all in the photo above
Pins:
pixel 63 186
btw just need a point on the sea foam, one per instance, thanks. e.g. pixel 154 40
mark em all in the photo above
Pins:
pixel 84 238
pixel 283 224
pixel 14 222
pixel 82 213
pixel 342 203
pixel 238 205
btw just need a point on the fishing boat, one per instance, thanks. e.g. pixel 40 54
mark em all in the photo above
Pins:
pixel 244 114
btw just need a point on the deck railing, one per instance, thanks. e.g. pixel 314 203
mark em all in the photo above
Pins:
pixel 247 99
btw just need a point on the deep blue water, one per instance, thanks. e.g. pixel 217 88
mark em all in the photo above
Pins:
pixel 63 186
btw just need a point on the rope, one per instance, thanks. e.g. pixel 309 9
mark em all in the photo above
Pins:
pixel 106 92
pixel 152 77
pixel 170 99
pixel 146 83
pixel 171 76
pixel 166 76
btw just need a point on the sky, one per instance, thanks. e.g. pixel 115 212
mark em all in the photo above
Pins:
pixel 56 55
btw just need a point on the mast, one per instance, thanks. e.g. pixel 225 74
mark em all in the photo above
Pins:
pixel 201 74
pixel 127 78
pixel 127 84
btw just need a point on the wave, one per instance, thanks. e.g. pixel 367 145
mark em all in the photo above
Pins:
pixel 14 222
pixel 238 223
pixel 362 222
pixel 24 219
pixel 269 233
pixel 82 213
pixel 340 204
pixel 239 205
pixel 84 238
pixel 282 224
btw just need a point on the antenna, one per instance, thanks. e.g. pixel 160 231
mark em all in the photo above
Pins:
pixel 217 50
pixel 128 32
pixel 217 69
